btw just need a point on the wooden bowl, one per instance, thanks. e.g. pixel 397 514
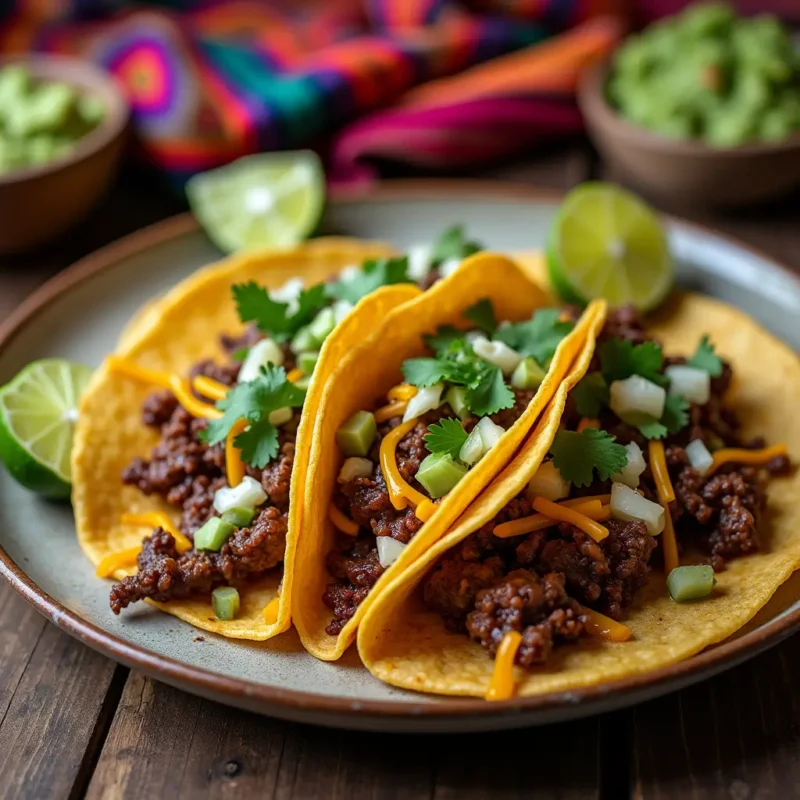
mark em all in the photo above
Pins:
pixel 686 171
pixel 39 202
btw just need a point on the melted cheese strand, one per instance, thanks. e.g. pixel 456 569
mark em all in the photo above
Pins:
pixel 602 627
pixel 294 375
pixel 210 388
pixel 666 494
pixel 340 521
pixel 271 611
pixel 158 519
pixel 400 492
pixel 403 391
pixel 756 458
pixel 591 528
pixel 502 684
pixel 235 467
pixel 537 522
pixel 392 410
pixel 119 559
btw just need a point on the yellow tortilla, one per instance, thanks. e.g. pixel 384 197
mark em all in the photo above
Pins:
pixel 365 377
pixel 172 334
pixel 406 645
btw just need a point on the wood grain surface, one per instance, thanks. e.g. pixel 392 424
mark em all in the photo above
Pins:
pixel 73 724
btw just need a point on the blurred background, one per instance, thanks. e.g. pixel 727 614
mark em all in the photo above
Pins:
pixel 696 105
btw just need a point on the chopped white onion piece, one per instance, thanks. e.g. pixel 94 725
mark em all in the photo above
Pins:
pixel 548 483
pixel 260 354
pixel 288 293
pixel 629 474
pixel 448 267
pixel 689 382
pixel 628 506
pixel 341 308
pixel 497 353
pixel 636 396
pixel 472 450
pixel 389 550
pixel 490 432
pixel 248 494
pixel 699 456
pixel 420 261
pixel 474 336
pixel 424 400
pixel 349 272
pixel 280 416
pixel 355 467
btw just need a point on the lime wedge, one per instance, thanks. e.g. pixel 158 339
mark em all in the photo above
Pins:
pixel 265 200
pixel 606 242
pixel 38 412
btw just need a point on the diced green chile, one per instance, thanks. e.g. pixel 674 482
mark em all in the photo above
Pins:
pixel 304 340
pixel 527 375
pixel 240 517
pixel 213 534
pixel 691 582
pixel 225 602
pixel 456 397
pixel 356 436
pixel 322 325
pixel 439 473
pixel 307 360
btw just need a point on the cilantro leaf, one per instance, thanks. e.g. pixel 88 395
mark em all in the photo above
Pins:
pixel 441 340
pixel 705 358
pixel 590 395
pixel 578 455
pixel 240 354
pixel 621 358
pixel 271 317
pixel 373 275
pixel 423 372
pixel 448 436
pixel 674 419
pixel 538 337
pixel 490 394
pixel 651 428
pixel 254 401
pixel 454 244
pixel 482 314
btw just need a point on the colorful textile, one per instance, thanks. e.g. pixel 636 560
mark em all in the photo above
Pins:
pixel 211 80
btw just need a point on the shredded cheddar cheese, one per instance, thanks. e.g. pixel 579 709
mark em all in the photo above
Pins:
pixel 343 523
pixel 234 466
pixel 400 492
pixel 756 458
pixel 195 407
pixel 294 375
pixel 666 494
pixel 119 366
pixel 392 410
pixel 271 611
pixel 603 627
pixel 588 422
pixel 425 510
pixel 502 684
pixel 579 501
pixel 593 509
pixel 403 391
pixel 158 519
pixel 120 559
pixel 210 388
pixel 591 528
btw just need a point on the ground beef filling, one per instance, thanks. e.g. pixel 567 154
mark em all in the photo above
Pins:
pixel 366 501
pixel 187 473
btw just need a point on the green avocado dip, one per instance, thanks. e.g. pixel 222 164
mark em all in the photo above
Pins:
pixel 708 74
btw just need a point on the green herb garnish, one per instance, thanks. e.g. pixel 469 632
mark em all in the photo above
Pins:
pixel 538 337
pixel 621 358
pixel 446 436
pixel 482 314
pixel 591 395
pixel 578 455
pixel 674 419
pixel 705 358
pixel 373 275
pixel 272 317
pixel 453 244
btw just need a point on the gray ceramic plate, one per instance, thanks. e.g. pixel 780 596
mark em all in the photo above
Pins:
pixel 82 311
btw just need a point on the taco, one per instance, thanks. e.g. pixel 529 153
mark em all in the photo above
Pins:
pixel 413 427
pixel 214 468
pixel 643 520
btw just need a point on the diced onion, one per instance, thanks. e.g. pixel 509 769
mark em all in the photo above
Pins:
pixel 288 293
pixel 261 353
pixel 628 506
pixel 424 400
pixel 629 474
pixel 491 433
pixel 389 550
pixel 472 450
pixel 474 336
pixel 420 261
pixel 280 416
pixel 689 382
pixel 349 272
pixel 699 456
pixel 497 353
pixel 548 483
pixel 636 396
pixel 355 467
pixel 448 267
pixel 341 308
pixel 248 493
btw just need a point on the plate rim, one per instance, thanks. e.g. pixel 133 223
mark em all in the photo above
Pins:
pixel 237 691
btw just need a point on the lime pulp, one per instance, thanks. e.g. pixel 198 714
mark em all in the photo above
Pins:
pixel 260 201
pixel 38 412
pixel 607 243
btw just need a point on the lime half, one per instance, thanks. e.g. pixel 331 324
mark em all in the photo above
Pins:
pixel 606 242
pixel 265 200
pixel 38 412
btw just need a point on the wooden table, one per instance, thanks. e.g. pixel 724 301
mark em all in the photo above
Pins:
pixel 74 724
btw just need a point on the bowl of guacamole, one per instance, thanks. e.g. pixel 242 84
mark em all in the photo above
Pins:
pixel 702 107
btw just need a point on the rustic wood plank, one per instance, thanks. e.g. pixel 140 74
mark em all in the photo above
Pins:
pixel 735 735
pixel 54 704
pixel 164 743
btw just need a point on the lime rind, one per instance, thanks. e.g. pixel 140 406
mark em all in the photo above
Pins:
pixel 260 201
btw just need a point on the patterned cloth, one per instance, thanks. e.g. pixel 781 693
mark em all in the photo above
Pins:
pixel 422 81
